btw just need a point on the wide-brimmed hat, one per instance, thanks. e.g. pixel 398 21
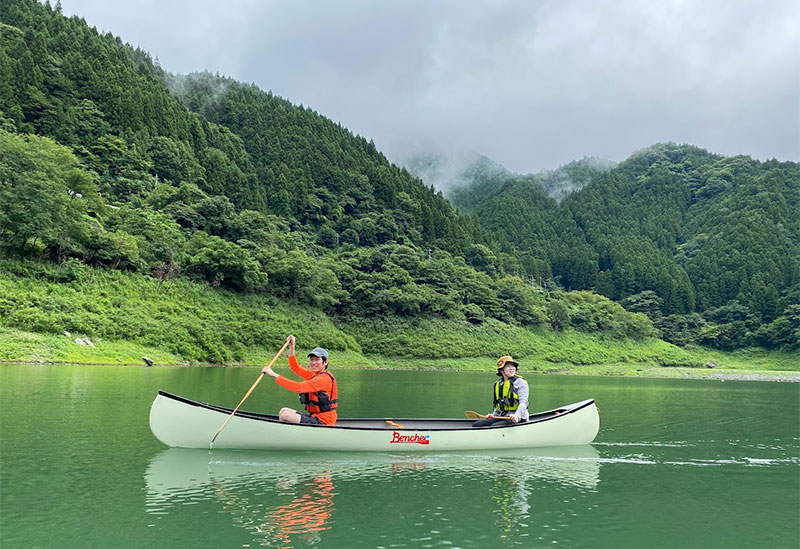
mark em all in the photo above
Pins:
pixel 503 360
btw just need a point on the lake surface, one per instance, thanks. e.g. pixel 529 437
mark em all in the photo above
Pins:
pixel 677 463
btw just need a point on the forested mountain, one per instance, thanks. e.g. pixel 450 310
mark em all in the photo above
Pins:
pixel 707 246
pixel 321 176
pixel 218 181
pixel 107 160
pixel 523 214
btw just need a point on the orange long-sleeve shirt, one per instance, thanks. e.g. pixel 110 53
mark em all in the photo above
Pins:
pixel 312 384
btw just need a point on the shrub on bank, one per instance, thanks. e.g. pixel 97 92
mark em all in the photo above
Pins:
pixel 540 348
pixel 189 319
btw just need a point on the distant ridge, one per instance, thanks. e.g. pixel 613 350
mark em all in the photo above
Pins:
pixel 466 177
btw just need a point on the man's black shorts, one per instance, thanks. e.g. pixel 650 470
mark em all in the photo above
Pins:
pixel 311 420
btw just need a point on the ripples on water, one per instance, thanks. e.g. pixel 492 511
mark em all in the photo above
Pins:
pixel 287 498
pixel 676 464
pixel 654 453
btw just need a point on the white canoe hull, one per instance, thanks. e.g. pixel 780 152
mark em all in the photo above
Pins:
pixel 184 423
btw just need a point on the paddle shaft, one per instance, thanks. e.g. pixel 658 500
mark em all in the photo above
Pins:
pixel 475 415
pixel 250 391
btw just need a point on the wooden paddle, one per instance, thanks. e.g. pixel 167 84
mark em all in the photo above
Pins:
pixel 250 391
pixel 475 415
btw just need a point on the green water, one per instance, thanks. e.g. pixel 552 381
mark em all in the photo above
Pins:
pixel 677 463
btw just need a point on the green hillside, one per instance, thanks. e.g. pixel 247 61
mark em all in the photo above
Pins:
pixel 226 185
pixel 205 219
pixel 707 246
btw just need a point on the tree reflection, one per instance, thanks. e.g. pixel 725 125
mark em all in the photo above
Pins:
pixel 510 496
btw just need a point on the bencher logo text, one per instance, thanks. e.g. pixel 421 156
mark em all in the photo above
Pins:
pixel 397 438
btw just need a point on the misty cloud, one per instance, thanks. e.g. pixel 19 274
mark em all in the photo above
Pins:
pixel 531 85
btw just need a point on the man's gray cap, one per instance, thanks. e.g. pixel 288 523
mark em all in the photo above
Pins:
pixel 320 352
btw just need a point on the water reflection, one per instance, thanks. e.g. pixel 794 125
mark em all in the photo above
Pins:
pixel 303 518
pixel 510 495
pixel 295 497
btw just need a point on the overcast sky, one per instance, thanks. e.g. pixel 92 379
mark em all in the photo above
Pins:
pixel 530 84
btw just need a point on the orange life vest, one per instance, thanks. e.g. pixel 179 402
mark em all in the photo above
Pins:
pixel 321 401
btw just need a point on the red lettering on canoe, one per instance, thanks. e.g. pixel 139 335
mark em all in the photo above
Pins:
pixel 397 438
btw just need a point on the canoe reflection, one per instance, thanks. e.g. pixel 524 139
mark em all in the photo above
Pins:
pixel 280 497
pixel 175 470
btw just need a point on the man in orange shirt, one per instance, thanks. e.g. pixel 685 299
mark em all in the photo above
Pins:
pixel 318 392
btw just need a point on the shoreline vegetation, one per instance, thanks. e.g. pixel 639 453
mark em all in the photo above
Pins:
pixel 49 313
pixel 26 348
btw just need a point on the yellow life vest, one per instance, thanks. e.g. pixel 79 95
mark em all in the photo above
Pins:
pixel 505 395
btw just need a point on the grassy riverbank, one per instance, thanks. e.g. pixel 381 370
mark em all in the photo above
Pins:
pixel 44 309
pixel 627 358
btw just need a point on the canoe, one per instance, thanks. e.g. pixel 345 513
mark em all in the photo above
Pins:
pixel 184 423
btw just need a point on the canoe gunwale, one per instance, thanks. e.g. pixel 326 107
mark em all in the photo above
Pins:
pixel 458 424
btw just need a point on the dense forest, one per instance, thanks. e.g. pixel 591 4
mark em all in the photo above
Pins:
pixel 108 162
pixel 707 246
